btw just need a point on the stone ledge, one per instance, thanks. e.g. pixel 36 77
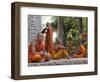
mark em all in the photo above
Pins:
pixel 72 61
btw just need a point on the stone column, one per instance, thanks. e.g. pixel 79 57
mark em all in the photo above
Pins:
pixel 60 29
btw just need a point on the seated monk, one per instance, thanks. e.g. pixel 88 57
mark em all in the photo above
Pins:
pixel 36 50
pixel 58 51
pixel 81 52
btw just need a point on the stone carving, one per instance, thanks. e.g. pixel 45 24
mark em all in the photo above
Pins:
pixel 34 26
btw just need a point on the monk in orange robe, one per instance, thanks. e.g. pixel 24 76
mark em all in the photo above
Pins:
pixel 36 50
pixel 82 52
pixel 49 41
pixel 58 51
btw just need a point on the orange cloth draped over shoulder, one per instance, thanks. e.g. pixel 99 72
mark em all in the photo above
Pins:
pixel 49 40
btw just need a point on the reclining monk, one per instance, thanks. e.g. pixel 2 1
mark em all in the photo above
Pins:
pixel 58 51
pixel 36 50
pixel 81 52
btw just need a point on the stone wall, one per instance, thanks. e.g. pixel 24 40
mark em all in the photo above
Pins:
pixel 34 26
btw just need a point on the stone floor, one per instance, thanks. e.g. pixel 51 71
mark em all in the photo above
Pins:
pixel 72 61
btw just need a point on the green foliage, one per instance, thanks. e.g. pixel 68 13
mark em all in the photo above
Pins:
pixel 54 22
pixel 72 28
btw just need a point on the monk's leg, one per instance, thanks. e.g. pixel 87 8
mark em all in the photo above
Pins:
pixel 65 54
pixel 60 54
pixel 36 57
pixel 78 55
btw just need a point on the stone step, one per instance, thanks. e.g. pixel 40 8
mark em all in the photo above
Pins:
pixel 61 62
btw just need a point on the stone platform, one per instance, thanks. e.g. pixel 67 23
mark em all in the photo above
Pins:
pixel 72 61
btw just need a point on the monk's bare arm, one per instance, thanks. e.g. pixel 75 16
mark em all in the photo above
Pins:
pixel 34 50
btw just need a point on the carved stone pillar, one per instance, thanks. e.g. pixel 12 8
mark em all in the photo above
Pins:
pixel 60 29
pixel 34 26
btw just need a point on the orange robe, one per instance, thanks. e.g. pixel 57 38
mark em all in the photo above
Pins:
pixel 55 54
pixel 82 52
pixel 39 46
pixel 49 40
